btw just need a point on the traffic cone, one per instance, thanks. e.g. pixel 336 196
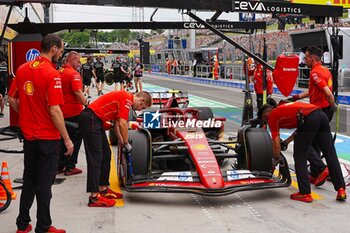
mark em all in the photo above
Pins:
pixel 6 178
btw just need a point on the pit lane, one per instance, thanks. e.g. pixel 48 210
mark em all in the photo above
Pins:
pixel 268 210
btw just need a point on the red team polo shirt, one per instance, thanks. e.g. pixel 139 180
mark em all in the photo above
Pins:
pixel 71 82
pixel 285 116
pixel 37 86
pixel 320 77
pixel 113 105
pixel 258 80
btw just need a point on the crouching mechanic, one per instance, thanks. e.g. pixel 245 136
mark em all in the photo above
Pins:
pixel 312 127
pixel 113 106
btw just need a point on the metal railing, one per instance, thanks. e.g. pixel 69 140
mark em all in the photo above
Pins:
pixel 235 72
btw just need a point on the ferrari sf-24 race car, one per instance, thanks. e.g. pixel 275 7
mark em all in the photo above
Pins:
pixel 183 151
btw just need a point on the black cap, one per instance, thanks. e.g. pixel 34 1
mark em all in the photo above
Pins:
pixel 262 109
pixel 271 102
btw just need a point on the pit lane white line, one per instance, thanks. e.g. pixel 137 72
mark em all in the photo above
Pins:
pixel 248 205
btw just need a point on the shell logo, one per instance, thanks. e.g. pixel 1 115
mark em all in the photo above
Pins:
pixel 28 88
pixel 35 64
pixel 330 82
pixel 200 147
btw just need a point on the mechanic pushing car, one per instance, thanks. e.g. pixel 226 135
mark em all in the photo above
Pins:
pixel 114 106
pixel 312 127
pixel 320 94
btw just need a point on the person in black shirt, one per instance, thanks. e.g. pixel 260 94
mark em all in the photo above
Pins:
pixel 99 71
pixel 88 73
pixel 119 73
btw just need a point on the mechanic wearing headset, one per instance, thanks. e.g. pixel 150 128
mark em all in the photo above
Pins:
pixel 320 94
pixel 113 106
pixel 312 127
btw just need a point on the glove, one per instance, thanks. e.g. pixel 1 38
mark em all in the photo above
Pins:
pixel 127 148
pixel 295 97
pixel 334 108
pixel 284 146
pixel 285 101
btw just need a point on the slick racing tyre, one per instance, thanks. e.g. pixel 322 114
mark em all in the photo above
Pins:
pixel 256 150
pixel 141 152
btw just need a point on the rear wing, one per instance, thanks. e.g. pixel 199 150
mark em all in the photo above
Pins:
pixel 162 97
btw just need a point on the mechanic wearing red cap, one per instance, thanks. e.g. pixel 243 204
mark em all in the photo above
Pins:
pixel 36 95
pixel 74 100
pixel 119 74
pixel 113 106
pixel 258 82
pixel 312 127
pixel 320 94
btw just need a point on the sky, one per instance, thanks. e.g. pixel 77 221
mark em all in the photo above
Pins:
pixel 76 13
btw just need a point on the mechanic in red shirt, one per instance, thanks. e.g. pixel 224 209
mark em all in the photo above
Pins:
pixel 74 99
pixel 258 82
pixel 36 95
pixel 113 106
pixel 312 127
pixel 320 94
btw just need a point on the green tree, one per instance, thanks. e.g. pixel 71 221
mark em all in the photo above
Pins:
pixel 76 38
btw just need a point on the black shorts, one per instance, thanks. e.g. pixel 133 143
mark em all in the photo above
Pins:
pixel 118 78
pixel 2 90
pixel 87 81
pixel 100 78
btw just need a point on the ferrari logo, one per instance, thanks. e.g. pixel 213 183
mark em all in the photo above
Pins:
pixel 28 88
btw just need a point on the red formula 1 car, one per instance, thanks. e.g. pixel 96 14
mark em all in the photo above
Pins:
pixel 181 152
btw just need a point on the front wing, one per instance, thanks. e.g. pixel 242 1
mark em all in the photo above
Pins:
pixel 189 182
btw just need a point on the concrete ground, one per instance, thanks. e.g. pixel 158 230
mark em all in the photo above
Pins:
pixel 255 211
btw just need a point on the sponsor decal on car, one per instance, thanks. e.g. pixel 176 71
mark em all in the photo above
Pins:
pixel 176 176
pixel 239 174
pixel 154 120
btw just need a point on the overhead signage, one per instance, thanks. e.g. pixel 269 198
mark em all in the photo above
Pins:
pixel 343 3
pixel 287 8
